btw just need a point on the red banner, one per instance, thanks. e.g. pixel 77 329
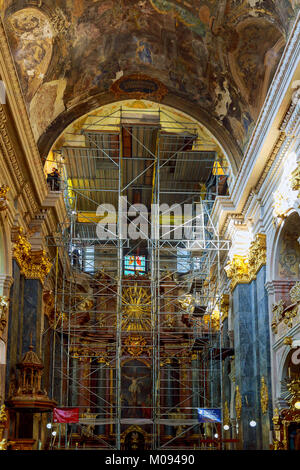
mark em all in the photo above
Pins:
pixel 66 415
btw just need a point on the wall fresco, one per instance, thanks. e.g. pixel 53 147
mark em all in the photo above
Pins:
pixel 203 51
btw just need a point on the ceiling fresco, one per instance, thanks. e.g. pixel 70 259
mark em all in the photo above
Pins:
pixel 218 56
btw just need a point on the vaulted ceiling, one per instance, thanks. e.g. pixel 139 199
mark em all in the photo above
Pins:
pixel 214 59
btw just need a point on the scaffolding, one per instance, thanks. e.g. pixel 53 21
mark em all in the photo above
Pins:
pixel 138 344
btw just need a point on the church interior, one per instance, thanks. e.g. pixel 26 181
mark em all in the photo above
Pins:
pixel 149 225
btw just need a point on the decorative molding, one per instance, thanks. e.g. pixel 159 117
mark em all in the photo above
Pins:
pixel 3 199
pixel 140 87
pixel 33 264
pixel 22 122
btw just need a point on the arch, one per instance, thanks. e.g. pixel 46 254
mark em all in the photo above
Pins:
pixel 286 368
pixel 67 117
pixel 286 264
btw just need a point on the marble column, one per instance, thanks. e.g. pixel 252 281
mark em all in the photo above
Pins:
pixel 264 353
pixel 246 364
pixel 15 326
pixel 5 283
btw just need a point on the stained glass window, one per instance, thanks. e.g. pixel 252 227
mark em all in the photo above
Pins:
pixel 134 264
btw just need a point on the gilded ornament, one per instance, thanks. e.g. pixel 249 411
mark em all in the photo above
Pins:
pixel 33 264
pixel 277 311
pixel 295 293
pixel 187 303
pixel 3 200
pixel 3 415
pixel 136 313
pixel 295 179
pixel 257 255
pixel 288 340
pixel 264 396
pixel 226 416
pixel 294 389
pixel 238 271
pixel 238 402
pixel 280 204
pixel 3 313
pixel 3 444
pixel 276 416
pixel 224 306
pixel 135 345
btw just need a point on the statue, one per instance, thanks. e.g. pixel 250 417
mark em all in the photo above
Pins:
pixel 134 388
pixel 3 444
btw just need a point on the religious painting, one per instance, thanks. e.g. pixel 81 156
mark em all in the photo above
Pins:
pixel 136 389
pixel 31 37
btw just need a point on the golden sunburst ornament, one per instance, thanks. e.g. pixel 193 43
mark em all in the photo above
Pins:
pixel 136 309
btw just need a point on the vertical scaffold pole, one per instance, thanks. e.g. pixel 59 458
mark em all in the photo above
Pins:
pixel 119 296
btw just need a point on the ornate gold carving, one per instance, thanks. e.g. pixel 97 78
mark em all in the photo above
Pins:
pixel 288 316
pixel 264 396
pixel 3 200
pixel 257 255
pixel 140 87
pixel 238 271
pixel 280 204
pixel 276 416
pixel 288 340
pixel 226 416
pixel 33 264
pixel 135 345
pixel 3 313
pixel 3 415
pixel 224 306
pixel 187 303
pixel 295 179
pixel 238 402
pixel 277 315
pixel 295 293
pixel 294 389
pixel 3 421
pixel 137 309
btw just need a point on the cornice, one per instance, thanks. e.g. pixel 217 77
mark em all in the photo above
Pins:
pixel 21 120
pixel 238 202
